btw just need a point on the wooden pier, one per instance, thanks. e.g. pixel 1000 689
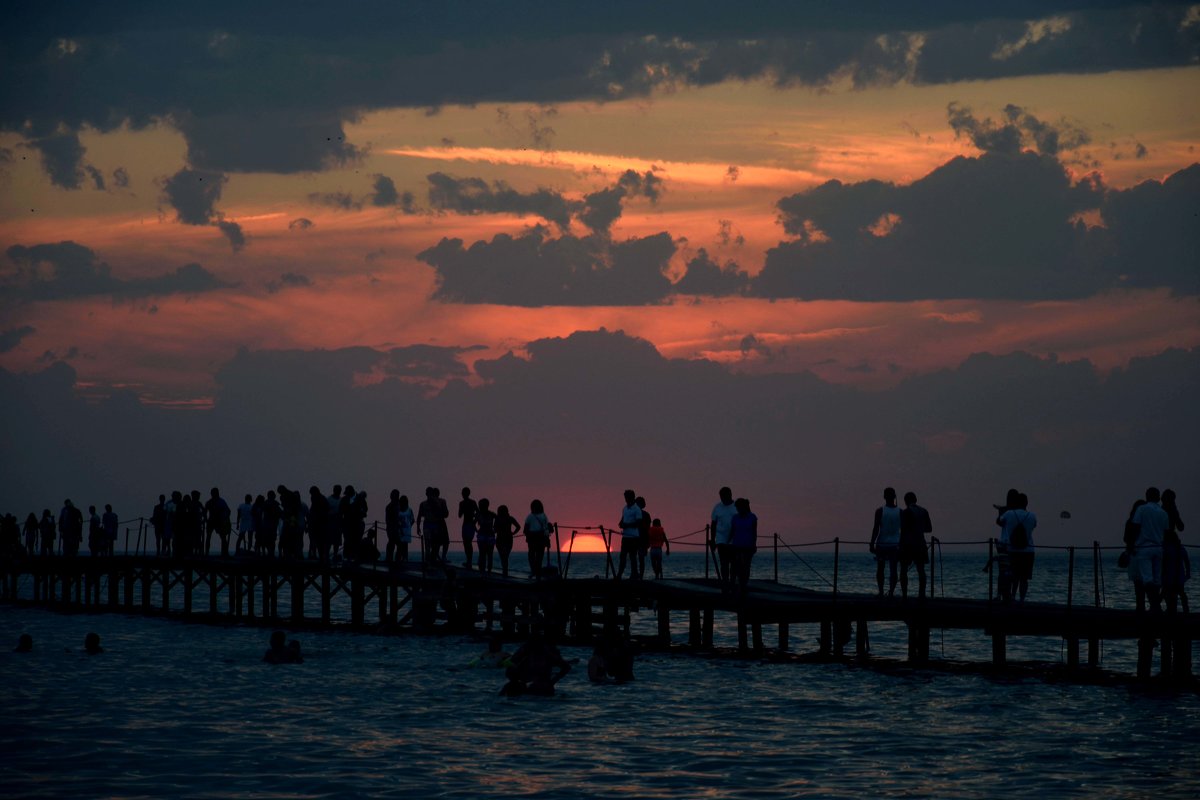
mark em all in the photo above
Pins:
pixel 436 599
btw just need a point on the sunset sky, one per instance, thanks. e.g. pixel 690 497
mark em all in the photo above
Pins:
pixel 806 249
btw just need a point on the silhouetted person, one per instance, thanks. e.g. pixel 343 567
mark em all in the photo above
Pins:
pixel 291 537
pixel 391 525
pixel 171 518
pixel 24 644
pixel 31 533
pixel 643 536
pixel 319 540
pixel 885 540
pixel 70 528
pixel 658 541
pixel 1177 567
pixel 914 524
pixel 245 526
pixel 630 524
pixel 218 512
pixel 537 537
pixel 46 527
pixel 1016 539
pixel 492 658
pixel 506 528
pixel 282 651
pixel 1150 522
pixel 272 515
pixel 743 542
pixel 485 535
pixel 722 518
pixel 443 532
pixel 467 509
pixel 428 513
pixel 95 533
pixel 533 667
pixel 110 523
pixel 158 521
pixel 335 520
pixel 91 644
pixel 612 660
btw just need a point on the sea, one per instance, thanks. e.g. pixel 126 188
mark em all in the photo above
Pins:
pixel 177 709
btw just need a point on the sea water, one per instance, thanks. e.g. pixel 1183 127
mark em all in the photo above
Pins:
pixel 178 709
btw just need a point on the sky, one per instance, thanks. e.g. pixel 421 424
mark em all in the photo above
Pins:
pixel 803 249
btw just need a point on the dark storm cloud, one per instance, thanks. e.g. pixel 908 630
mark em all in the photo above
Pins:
pixel 233 232
pixel 272 87
pixel 97 177
pixel 194 193
pixel 343 201
pixel 533 269
pixel 384 194
pixel 301 224
pixel 289 280
pixel 565 423
pixel 1019 130
pixel 996 226
pixel 704 276
pixel 62 158
pixel 602 208
pixel 477 196
pixel 11 338
pixel 67 270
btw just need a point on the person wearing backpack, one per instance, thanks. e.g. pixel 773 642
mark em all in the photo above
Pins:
pixel 1016 538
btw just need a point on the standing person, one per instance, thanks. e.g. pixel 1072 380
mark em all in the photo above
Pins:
pixel 885 540
pixel 46 528
pixel 351 535
pixel 743 542
pixel 722 518
pixel 406 529
pixel 467 510
pixel 428 513
pixel 643 537
pixel 335 520
pixel 630 524
pixel 70 528
pixel 291 537
pixel 318 524
pixel 170 522
pixel 1016 538
pixel 272 514
pixel 443 532
pixel 391 525
pixel 217 512
pixel 95 533
pixel 485 536
pixel 1150 523
pixel 506 529
pixel 914 524
pixel 245 525
pixel 658 541
pixel 1177 567
pixel 537 537
pixel 110 523
pixel 158 521
pixel 31 534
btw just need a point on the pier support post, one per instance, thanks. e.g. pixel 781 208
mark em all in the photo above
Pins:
pixel 741 631
pixel 114 587
pixel 1093 652
pixel 862 641
pixel 325 595
pixel 694 637
pixel 756 632
pixel 783 637
pixel 664 625
pixel 707 638
pixel 1072 653
pixel 1145 658
pixel 188 585
pixel 297 595
pixel 999 649
pixel 357 603
pixel 826 640
pixel 918 643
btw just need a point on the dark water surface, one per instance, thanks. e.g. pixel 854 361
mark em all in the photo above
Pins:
pixel 174 709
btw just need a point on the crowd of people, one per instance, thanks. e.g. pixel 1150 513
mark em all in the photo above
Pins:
pixel 278 522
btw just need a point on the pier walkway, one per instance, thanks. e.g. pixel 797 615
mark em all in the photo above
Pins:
pixel 431 599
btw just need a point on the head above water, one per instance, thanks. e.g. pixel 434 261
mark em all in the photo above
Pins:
pixel 25 643
pixel 91 643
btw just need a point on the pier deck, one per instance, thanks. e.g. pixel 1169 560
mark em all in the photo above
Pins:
pixel 446 599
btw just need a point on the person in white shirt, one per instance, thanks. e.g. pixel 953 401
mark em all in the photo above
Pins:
pixel 1150 521
pixel 630 524
pixel 1016 539
pixel 885 540
pixel 720 531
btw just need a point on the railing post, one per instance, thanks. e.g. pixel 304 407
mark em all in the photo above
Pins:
pixel 837 549
pixel 775 538
pixel 558 547
pixel 1070 575
pixel 991 568
pixel 707 549
pixel 1096 570
pixel 933 541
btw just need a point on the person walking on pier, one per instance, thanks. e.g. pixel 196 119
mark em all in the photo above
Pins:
pixel 914 524
pixel 467 510
pixel 1150 523
pixel 630 524
pixel 658 541
pixel 885 540
pixel 506 528
pixel 722 518
pixel 537 537
pixel 743 542
pixel 46 528
pixel 1016 539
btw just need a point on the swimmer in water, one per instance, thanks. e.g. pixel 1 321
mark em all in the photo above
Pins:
pixel 24 644
pixel 91 644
